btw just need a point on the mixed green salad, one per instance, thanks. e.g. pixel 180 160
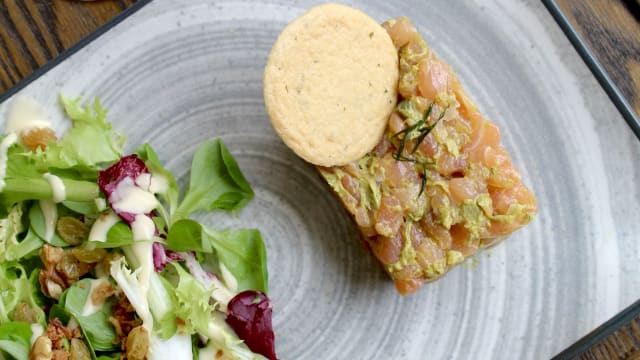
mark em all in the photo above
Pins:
pixel 99 258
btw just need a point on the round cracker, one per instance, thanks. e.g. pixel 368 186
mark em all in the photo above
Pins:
pixel 330 84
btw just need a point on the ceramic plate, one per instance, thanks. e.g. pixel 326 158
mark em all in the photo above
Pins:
pixel 178 72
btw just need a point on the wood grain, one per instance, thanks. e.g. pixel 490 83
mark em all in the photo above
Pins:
pixel 622 344
pixel 611 30
pixel 32 32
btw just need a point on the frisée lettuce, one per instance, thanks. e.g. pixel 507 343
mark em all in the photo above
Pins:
pixel 99 255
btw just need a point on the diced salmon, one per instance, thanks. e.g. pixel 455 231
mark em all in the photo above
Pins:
pixel 386 249
pixel 442 189
pixel 433 78
pixel 408 286
pixel 401 31
pixel 462 189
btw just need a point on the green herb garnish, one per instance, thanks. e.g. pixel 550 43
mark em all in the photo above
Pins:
pixel 423 129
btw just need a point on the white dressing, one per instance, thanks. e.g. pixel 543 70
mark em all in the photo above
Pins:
pixel 102 225
pixel 4 147
pixel 144 253
pixel 144 180
pixel 26 114
pixel 177 347
pixel 57 187
pixel 143 228
pixel 159 184
pixel 36 331
pixel 228 278
pixel 130 198
pixel 50 214
pixel 89 306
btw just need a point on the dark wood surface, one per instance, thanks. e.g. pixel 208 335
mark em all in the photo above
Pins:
pixel 611 31
pixel 32 32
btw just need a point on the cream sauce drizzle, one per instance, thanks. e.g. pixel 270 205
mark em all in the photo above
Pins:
pixel 26 114
pixel 57 187
pixel 50 214
pixel 89 306
pixel 132 199
pixel 101 227
pixel 159 184
pixel 229 279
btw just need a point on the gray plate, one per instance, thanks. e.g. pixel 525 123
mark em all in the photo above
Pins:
pixel 178 72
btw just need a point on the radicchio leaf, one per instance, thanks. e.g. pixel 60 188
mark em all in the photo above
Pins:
pixel 163 256
pixel 250 317
pixel 130 166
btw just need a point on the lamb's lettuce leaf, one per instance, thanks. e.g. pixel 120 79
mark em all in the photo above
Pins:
pixel 242 252
pixel 19 293
pixel 96 326
pixel 215 183
pixel 15 338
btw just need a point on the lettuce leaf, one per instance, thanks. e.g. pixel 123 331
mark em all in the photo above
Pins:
pixel 155 306
pixel 192 302
pixel 19 290
pixel 15 340
pixel 119 235
pixel 24 181
pixel 13 244
pixel 215 182
pixel 242 252
pixel 37 224
pixel 87 145
pixel 96 327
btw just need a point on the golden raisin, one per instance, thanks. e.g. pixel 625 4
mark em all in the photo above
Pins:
pixel 71 230
pixel 137 344
pixel 72 269
pixel 89 256
pixel 37 138
pixel 41 349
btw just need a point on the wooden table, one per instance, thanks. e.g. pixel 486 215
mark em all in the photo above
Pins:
pixel 33 32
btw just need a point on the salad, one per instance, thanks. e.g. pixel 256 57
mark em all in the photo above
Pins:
pixel 99 258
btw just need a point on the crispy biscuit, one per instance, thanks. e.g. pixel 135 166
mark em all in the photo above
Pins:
pixel 330 84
